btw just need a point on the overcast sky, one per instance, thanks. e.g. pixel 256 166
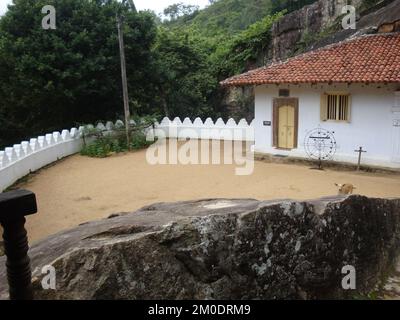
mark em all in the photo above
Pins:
pixel 156 5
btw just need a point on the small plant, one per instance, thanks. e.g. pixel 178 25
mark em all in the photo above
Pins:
pixel 109 143
pixel 139 141
pixel 100 148
pixel 116 143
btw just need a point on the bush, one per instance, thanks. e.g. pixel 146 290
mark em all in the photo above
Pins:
pixel 105 146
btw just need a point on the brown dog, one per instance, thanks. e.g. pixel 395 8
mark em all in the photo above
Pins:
pixel 345 189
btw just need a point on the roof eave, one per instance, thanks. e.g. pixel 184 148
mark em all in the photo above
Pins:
pixel 259 83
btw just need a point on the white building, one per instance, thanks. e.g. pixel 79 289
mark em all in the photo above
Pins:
pixel 351 89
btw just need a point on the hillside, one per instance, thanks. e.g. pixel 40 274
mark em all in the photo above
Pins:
pixel 227 17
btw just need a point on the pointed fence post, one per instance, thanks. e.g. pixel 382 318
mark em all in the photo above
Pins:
pixel 14 206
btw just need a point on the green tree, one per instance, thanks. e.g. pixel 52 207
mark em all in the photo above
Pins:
pixel 177 10
pixel 289 5
pixel 52 79
pixel 248 48
pixel 182 79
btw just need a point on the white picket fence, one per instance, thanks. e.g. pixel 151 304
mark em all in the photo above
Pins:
pixel 29 156
pixel 219 130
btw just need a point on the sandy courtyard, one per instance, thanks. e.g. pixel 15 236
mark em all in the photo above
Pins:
pixel 79 189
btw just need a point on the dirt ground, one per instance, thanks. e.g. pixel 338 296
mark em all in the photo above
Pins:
pixel 80 189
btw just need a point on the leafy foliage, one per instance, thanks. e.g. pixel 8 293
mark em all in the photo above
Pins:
pixel 105 146
pixel 248 46
pixel 50 79
pixel 226 17
pixel 183 81
pixel 289 5
pixel 177 10
pixel 107 143
pixel 193 54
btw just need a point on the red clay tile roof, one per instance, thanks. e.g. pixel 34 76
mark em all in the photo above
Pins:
pixel 367 59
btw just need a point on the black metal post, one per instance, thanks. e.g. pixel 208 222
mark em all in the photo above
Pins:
pixel 14 206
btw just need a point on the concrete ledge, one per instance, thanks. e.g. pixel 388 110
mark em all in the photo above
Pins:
pixel 340 166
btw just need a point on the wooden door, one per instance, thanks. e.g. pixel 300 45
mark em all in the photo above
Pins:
pixel 286 127
pixel 286 123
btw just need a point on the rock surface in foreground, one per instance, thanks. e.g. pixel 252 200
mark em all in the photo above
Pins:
pixel 223 249
pixel 1 242
pixel 391 287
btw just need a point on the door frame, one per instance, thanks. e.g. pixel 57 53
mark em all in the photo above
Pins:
pixel 395 157
pixel 279 102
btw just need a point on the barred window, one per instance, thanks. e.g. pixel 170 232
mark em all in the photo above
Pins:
pixel 335 107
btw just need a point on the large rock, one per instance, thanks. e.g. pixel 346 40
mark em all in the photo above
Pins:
pixel 319 24
pixel 238 102
pixel 223 249
pixel 1 242
pixel 385 18
pixel 311 20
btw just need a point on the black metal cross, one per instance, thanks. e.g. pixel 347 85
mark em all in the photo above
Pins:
pixel 360 152
pixel 14 206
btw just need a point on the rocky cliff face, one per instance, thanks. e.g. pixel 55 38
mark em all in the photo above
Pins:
pixel 289 31
pixel 383 18
pixel 239 103
pixel 223 249
pixel 319 24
